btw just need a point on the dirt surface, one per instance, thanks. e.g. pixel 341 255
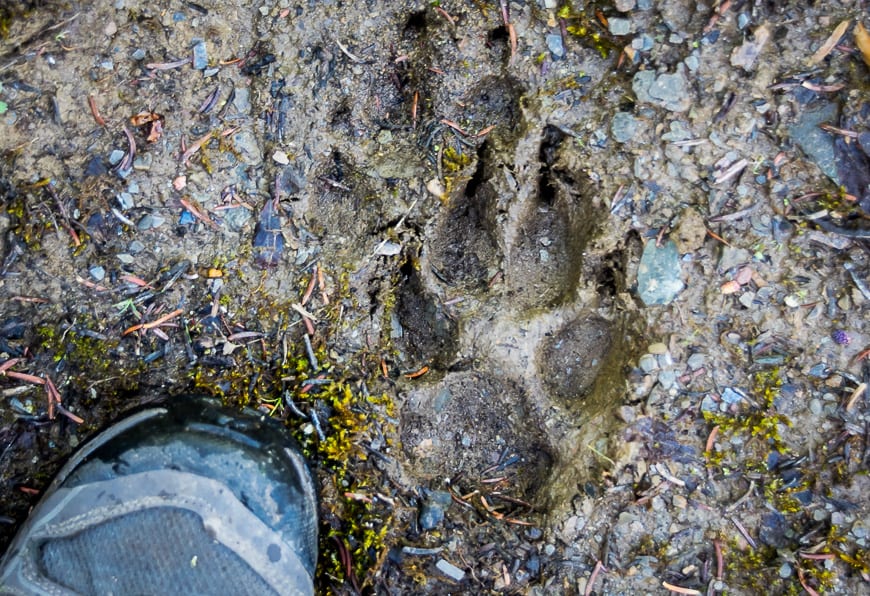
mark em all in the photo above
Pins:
pixel 558 297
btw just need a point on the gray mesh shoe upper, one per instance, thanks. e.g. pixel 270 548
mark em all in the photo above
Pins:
pixel 184 499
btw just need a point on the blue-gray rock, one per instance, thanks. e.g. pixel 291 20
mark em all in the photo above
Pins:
pixel 116 156
pixel 669 91
pixel 619 26
pixel 644 4
pixel 659 275
pixel 816 143
pixel 97 272
pixel 138 54
pixel 200 56
pixel 624 5
pixel 643 42
pixel 432 511
pixel 555 45
pixel 242 100
pixel 623 127
pixel 125 200
pixel 450 570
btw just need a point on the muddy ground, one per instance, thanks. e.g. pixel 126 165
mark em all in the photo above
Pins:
pixel 585 284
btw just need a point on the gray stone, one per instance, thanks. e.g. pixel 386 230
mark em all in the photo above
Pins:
pixel 658 275
pixel 143 162
pixel 732 257
pixel 135 247
pixel 619 26
pixel 450 570
pixel 432 511
pixel 126 258
pixel 139 54
pixel 555 45
pixel 623 127
pixel 643 42
pixel 624 5
pixel 696 361
pixel 644 4
pixel 97 272
pixel 730 396
pixel 125 200
pixel 648 363
pixel 246 143
pixel 236 218
pixel 200 56
pixel 116 156
pixel 146 223
pixel 669 91
pixel 667 379
pixel 816 143
pixel 242 100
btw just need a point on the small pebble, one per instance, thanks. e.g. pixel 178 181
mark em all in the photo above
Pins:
pixel 680 502
pixel 125 258
pixel 619 26
pixel 816 406
pixel 657 348
pixel 696 361
pixel 624 5
pixel 143 163
pixel 450 570
pixel 200 56
pixel 648 363
pixel 116 156
pixel 135 248
pixel 97 272
pixel 785 570
pixel 623 127
pixel 139 54
pixel 125 200
pixel 730 396
pixel 554 44
pixel 667 379
pixel 643 42
pixel 281 157
pixel 146 223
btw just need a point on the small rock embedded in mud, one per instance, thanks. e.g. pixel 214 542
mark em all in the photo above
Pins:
pixel 139 54
pixel 432 511
pixel 450 570
pixel 623 127
pixel 116 156
pixel 815 142
pixel 619 26
pixel 658 275
pixel 200 56
pixel 624 5
pixel 97 272
pixel 554 44
pixel 669 91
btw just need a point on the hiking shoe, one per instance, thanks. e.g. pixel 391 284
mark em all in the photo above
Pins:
pixel 188 498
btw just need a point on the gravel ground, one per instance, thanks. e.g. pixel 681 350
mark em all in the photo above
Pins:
pixel 559 297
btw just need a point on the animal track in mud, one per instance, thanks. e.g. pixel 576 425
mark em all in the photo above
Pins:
pixel 465 425
pixel 523 211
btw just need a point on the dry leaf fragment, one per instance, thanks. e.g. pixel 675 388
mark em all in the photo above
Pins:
pixel 862 40
pixel 829 44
